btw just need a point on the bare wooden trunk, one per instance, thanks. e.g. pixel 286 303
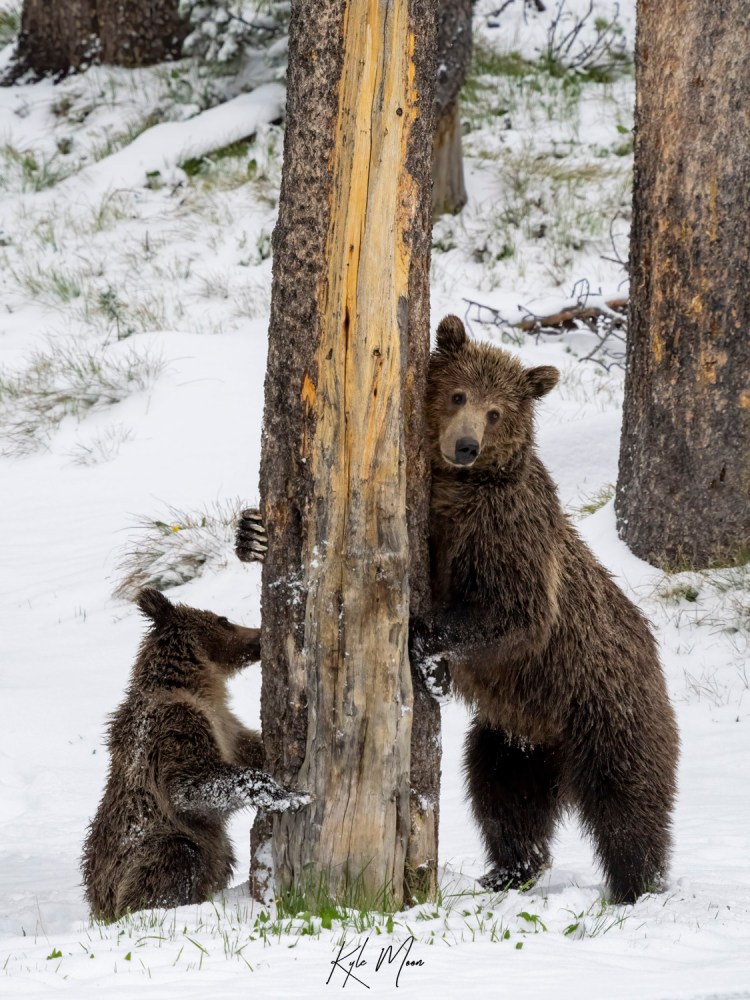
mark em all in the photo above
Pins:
pixel 683 495
pixel 348 342
pixel 454 46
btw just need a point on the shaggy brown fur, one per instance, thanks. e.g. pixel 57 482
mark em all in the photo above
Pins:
pixel 562 669
pixel 181 762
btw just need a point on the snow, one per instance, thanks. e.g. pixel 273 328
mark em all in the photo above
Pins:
pixel 187 263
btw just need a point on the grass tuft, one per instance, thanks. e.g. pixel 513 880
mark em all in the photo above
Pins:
pixel 62 381
pixel 178 546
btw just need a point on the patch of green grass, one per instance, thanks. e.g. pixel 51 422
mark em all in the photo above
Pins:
pixel 115 141
pixel 321 893
pixel 24 170
pixel 176 546
pixel 65 380
pixel 596 500
pixel 10 24
pixel 198 165
pixel 681 592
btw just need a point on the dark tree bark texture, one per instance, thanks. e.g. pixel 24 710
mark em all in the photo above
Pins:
pixel 343 456
pixel 140 33
pixel 61 37
pixel 454 47
pixel 56 37
pixel 683 495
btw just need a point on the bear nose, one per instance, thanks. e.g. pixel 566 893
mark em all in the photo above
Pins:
pixel 467 450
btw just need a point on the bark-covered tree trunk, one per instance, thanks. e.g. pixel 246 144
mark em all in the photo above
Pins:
pixel 342 454
pixel 59 37
pixel 56 37
pixel 453 59
pixel 683 495
pixel 139 32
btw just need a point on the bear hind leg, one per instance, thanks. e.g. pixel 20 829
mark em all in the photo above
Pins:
pixel 629 823
pixel 171 872
pixel 515 797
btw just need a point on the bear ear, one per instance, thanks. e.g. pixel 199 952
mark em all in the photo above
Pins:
pixel 154 605
pixel 451 334
pixel 540 380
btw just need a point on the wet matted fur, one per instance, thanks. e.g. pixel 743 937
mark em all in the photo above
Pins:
pixel 180 764
pixel 561 668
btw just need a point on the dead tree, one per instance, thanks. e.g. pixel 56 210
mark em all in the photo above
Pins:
pixel 344 489
pixel 683 493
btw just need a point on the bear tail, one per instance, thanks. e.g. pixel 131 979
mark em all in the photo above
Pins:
pixel 154 605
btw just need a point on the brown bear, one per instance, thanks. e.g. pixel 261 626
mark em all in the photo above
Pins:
pixel 571 708
pixel 180 763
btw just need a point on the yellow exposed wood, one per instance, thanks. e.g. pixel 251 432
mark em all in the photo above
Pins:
pixel 357 546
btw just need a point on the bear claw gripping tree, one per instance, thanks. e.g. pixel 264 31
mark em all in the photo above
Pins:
pixel 180 764
pixel 570 702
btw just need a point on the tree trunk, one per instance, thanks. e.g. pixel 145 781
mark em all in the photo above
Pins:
pixel 342 454
pixel 453 59
pixel 683 495
pixel 140 33
pixel 58 37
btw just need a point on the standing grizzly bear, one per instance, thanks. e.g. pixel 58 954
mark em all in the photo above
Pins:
pixel 561 668
pixel 180 764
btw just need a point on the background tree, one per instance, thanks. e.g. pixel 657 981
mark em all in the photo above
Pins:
pixel 343 472
pixel 58 37
pixel 454 47
pixel 683 494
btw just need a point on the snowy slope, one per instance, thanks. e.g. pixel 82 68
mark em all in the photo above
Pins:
pixel 177 266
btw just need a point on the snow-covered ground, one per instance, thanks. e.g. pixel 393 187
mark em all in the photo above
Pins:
pixel 134 294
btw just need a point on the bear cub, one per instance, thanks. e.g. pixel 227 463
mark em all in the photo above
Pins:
pixel 562 671
pixel 180 764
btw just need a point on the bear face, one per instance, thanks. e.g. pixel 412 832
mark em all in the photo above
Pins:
pixel 479 400
pixel 190 640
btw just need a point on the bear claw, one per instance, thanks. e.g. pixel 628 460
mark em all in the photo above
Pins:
pixel 251 541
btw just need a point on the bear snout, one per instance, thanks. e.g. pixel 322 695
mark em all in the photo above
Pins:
pixel 467 451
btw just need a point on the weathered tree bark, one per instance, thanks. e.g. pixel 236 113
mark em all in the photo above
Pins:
pixel 59 37
pixel 342 454
pixel 683 495
pixel 453 59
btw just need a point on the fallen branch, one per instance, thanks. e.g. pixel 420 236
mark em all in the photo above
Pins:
pixel 607 323
pixel 568 318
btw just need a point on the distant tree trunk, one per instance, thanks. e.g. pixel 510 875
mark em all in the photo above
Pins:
pixel 453 59
pixel 60 36
pixel 343 454
pixel 140 32
pixel 683 495
pixel 56 37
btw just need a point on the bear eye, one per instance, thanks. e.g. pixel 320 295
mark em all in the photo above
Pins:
pixel 493 416
pixel 459 398
pixel 225 622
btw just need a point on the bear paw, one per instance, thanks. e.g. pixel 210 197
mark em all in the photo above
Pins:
pixel 251 541
pixel 436 676
pixel 521 878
